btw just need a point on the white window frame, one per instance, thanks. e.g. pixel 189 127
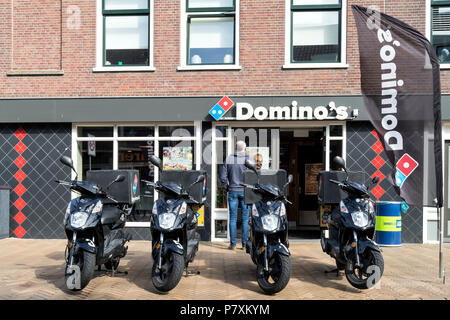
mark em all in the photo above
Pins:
pixel 99 44
pixel 287 47
pixel 428 28
pixel 184 66
pixel 156 139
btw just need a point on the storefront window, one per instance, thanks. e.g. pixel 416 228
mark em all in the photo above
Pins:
pixel 221 193
pixel 335 150
pixel 221 228
pixel 95 131
pixel 134 155
pixel 136 131
pixel 336 131
pixel 176 131
pixel 101 160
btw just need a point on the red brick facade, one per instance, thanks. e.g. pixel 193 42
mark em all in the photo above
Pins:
pixel 47 35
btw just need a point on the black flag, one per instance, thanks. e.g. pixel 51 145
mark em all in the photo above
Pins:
pixel 401 88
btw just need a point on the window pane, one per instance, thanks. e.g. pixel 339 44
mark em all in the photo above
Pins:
pixel 259 144
pixel 126 5
pixel 134 155
pixel 210 3
pixel 336 131
pixel 103 159
pixel 176 131
pixel 136 131
pixel 95 131
pixel 316 36
pixel 211 40
pixel 441 33
pixel 335 150
pixel 221 193
pixel 314 2
pixel 126 40
pixel 177 155
pixel 221 227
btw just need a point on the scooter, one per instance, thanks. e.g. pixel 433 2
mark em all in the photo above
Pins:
pixel 94 230
pixel 268 240
pixel 349 239
pixel 173 228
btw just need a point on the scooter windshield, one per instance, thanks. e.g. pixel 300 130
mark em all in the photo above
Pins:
pixel 87 187
pixel 271 189
pixel 173 187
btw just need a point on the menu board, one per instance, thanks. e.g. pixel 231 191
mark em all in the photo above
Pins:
pixel 312 170
pixel 177 158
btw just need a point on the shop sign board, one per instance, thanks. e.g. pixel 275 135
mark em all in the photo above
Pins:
pixel 295 111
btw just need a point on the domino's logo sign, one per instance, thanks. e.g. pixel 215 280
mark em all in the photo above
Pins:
pixel 221 108
pixel 135 182
pixel 405 167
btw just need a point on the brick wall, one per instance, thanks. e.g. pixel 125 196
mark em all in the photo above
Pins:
pixel 37 34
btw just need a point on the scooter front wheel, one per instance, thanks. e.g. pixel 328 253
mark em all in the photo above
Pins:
pixel 167 278
pixel 85 262
pixel 370 271
pixel 277 278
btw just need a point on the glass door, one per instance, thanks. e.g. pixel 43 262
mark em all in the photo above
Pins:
pixel 447 192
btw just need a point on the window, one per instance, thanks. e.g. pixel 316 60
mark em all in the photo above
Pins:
pixel 211 33
pixel 316 29
pixel 125 34
pixel 440 29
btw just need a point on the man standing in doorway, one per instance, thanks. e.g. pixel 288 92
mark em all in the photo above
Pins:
pixel 231 177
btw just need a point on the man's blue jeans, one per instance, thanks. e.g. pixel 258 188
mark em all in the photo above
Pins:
pixel 234 199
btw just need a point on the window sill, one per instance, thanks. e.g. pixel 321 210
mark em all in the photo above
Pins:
pixel 445 66
pixel 123 69
pixel 315 66
pixel 209 67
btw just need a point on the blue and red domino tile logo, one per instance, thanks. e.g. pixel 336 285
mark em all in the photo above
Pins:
pixel 221 108
pixel 405 167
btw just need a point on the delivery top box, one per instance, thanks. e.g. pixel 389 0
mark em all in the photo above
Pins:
pixel 330 193
pixel 127 191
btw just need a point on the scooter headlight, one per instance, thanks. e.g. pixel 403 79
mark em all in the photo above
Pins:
pixel 270 222
pixel 167 220
pixel 360 218
pixel 78 219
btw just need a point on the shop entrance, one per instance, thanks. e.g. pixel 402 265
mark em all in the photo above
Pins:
pixel 302 155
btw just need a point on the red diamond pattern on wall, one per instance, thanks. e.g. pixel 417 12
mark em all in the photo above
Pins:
pixel 20 232
pixel 377 191
pixel 377 147
pixel 20 176
pixel 20 147
pixel 20 133
pixel 20 217
pixel 378 162
pixel 20 204
pixel 20 189
pixel 379 175
pixel 375 134
pixel 20 161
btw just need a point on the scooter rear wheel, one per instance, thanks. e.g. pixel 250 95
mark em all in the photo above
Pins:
pixel 167 278
pixel 370 272
pixel 278 276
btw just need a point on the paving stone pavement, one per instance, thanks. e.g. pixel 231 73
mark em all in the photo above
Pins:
pixel 33 269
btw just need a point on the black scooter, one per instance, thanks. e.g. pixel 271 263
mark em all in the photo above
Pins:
pixel 350 236
pixel 268 240
pixel 94 230
pixel 173 228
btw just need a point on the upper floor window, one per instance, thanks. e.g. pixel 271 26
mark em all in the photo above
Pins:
pixel 211 33
pixel 440 29
pixel 126 33
pixel 316 32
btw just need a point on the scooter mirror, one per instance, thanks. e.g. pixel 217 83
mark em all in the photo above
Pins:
pixel 199 178
pixel 376 179
pixel 290 179
pixel 119 178
pixel 339 162
pixel 155 161
pixel 66 161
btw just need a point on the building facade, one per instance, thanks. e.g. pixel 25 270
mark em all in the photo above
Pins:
pixel 143 77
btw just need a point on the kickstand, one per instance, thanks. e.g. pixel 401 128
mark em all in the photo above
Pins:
pixel 333 271
pixel 116 271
